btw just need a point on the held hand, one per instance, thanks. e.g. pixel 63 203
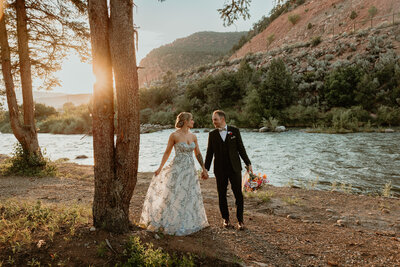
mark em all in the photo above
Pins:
pixel 249 168
pixel 157 172
pixel 204 175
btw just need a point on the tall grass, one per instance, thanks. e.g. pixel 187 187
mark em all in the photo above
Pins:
pixel 138 254
pixel 22 222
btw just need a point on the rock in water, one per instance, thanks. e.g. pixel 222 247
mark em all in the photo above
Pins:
pixel 280 129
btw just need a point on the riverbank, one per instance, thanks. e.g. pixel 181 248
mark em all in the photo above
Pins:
pixel 285 226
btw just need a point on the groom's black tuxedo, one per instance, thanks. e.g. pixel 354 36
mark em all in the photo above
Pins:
pixel 227 167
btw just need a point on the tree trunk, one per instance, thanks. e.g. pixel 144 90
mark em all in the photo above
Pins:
pixel 25 136
pixel 103 115
pixel 115 167
pixel 127 88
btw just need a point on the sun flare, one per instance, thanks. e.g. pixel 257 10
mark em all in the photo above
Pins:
pixel 2 7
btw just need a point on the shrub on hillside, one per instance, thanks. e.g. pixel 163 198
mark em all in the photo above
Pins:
pixel 340 85
pixel 276 92
pixel 366 91
pixel 316 41
pixel 353 14
pixel 254 108
pixel 158 95
pixel 344 120
pixel 270 39
pixel 163 118
pixel 298 115
pixel 372 11
pixel 145 115
pixel 294 18
pixel 389 116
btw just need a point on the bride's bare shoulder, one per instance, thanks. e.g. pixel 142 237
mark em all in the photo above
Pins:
pixel 193 136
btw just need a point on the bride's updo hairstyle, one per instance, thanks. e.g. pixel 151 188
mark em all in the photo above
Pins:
pixel 181 118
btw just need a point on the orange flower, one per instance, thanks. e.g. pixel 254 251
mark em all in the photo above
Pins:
pixel 265 176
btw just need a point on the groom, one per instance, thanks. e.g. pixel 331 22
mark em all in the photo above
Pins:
pixel 225 144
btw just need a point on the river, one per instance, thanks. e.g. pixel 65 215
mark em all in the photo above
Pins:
pixel 366 161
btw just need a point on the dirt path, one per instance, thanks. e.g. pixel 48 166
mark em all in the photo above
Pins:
pixel 291 227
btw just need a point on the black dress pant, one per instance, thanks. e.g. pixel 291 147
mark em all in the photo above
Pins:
pixel 235 178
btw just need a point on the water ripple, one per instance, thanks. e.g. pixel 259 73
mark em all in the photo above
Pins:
pixel 367 161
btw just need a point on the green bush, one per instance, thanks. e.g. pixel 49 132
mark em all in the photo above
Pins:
pixel 372 11
pixel 309 26
pixel 366 91
pixel 74 120
pixel 159 95
pixel 343 120
pixel 353 14
pixel 42 111
pixel 163 118
pixel 276 92
pixel 65 124
pixel 145 115
pixel 298 115
pixel 138 254
pixel 271 123
pixel 253 108
pixel 316 41
pixel 340 86
pixel 388 116
pixel 24 164
pixel 294 18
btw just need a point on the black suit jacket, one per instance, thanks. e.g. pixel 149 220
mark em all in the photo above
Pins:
pixel 235 149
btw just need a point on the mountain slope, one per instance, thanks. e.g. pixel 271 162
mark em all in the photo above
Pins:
pixel 323 18
pixel 185 53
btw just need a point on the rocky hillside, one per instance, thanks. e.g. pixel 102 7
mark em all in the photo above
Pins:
pixel 324 36
pixel 322 18
pixel 185 53
pixel 322 47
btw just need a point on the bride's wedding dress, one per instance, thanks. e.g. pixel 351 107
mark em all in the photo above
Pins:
pixel 173 203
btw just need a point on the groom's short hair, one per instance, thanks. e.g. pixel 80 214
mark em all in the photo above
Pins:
pixel 220 113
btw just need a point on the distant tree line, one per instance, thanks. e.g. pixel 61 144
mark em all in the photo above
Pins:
pixel 72 120
pixel 351 96
pixel 355 93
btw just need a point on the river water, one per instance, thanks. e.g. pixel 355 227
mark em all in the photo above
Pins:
pixel 366 161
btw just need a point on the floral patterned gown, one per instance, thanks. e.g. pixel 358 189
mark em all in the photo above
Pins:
pixel 173 203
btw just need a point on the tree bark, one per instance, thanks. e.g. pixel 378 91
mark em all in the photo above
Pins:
pixel 115 166
pixel 127 88
pixel 103 115
pixel 32 145
pixel 25 136
pixel 9 83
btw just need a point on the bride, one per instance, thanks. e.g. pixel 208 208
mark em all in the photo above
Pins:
pixel 173 204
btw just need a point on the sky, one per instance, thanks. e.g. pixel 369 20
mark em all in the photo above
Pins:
pixel 161 23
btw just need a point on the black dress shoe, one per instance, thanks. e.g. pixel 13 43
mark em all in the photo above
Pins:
pixel 241 226
pixel 226 224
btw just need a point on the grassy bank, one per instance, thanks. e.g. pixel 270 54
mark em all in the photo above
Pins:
pixel 285 225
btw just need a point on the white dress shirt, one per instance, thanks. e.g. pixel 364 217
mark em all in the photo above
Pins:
pixel 223 132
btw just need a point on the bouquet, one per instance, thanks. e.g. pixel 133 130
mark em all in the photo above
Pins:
pixel 252 182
